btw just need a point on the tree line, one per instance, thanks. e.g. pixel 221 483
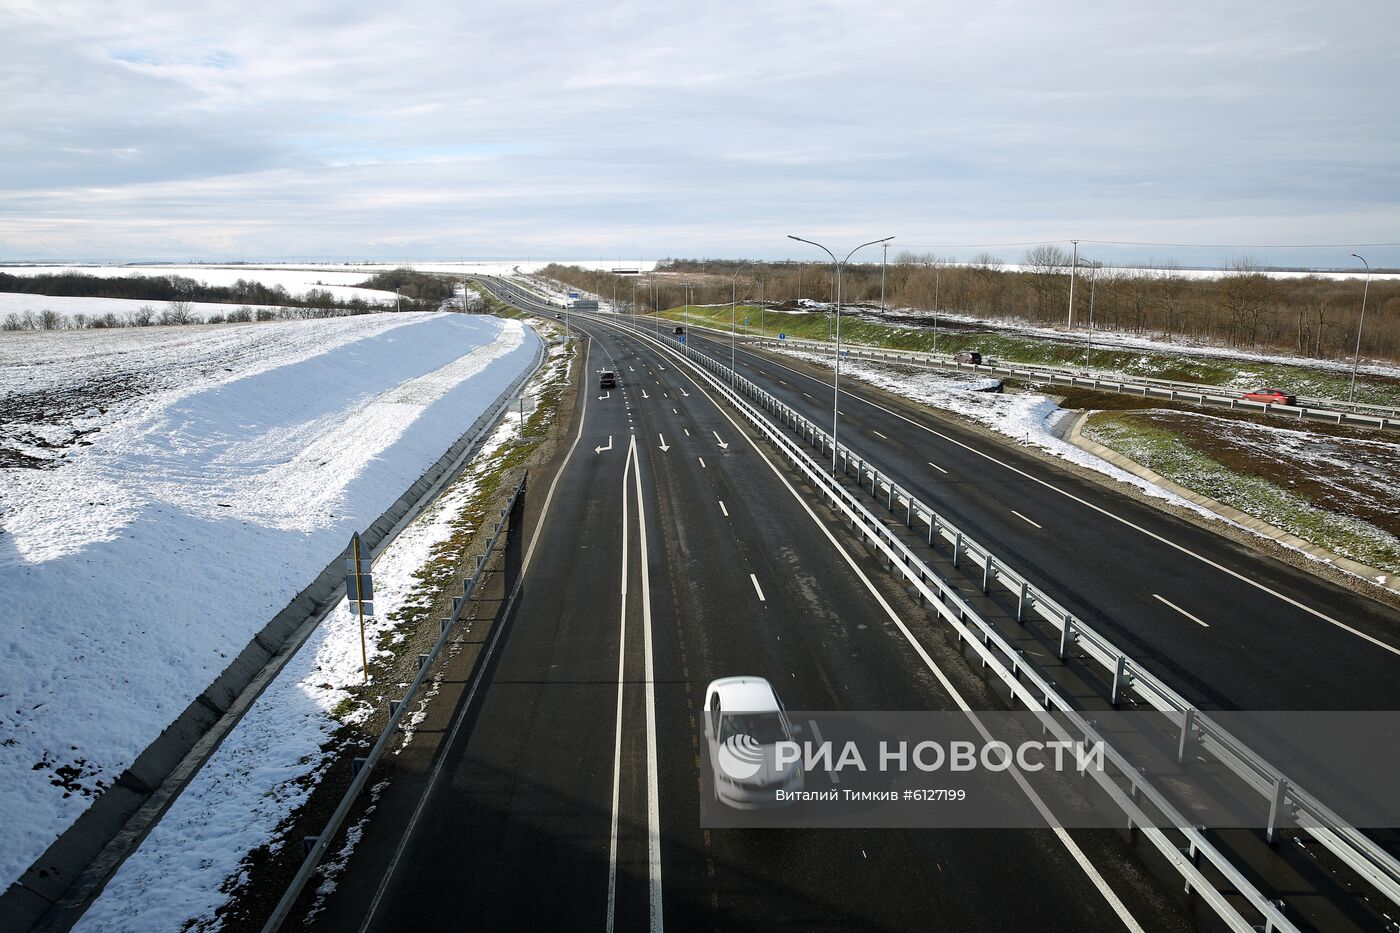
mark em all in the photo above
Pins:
pixel 419 292
pixel 1244 307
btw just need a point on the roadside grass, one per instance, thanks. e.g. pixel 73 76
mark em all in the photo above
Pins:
pixel 1169 453
pixel 1240 375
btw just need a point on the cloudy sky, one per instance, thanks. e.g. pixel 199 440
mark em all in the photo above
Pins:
pixel 257 130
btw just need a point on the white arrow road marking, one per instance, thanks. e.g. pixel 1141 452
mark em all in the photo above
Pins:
pixel 644 394
pixel 683 392
pixel 605 396
pixel 1188 615
pixel 598 450
pixel 722 444
pixel 630 369
pixel 663 442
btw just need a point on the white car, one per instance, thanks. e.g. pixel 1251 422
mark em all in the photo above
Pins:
pixel 744 721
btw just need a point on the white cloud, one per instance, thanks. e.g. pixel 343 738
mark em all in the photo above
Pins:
pixel 265 129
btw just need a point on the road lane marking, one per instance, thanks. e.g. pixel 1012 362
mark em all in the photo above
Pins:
pixel 1318 614
pixel 621 681
pixel 1082 860
pixel 935 466
pixel 1024 519
pixel 468 703
pixel 878 434
pixel 687 431
pixel 702 462
pixel 723 509
pixel 758 588
pixel 653 785
pixel 1196 619
pixel 805 395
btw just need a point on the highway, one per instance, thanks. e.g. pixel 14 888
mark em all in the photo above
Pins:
pixel 1228 626
pixel 564 793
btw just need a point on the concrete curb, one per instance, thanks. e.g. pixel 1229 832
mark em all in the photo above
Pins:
pixel 1380 578
pixel 53 892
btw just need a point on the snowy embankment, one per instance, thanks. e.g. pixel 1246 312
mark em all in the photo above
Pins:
pixel 1026 417
pixel 194 860
pixel 163 493
pixel 297 280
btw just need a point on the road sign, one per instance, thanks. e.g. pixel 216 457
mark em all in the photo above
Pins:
pixel 573 294
pixel 361 590
pixel 746 322
pixel 782 336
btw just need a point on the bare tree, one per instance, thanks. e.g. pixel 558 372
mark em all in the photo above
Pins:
pixel 1045 268
pixel 177 312
pixel 48 319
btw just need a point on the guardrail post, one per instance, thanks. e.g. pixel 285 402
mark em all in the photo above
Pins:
pixel 909 516
pixel 357 765
pixel 1276 808
pixel 932 526
pixel 889 501
pixel 1120 680
pixel 423 661
pixel 957 548
pixel 1066 633
pixel 1021 602
pixel 308 843
pixel 445 625
pixel 986 572
pixel 394 707
pixel 1188 722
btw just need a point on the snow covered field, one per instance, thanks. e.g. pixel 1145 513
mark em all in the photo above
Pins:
pixel 164 492
pixel 67 307
pixel 297 281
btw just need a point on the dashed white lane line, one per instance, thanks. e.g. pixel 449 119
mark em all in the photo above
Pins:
pixel 687 431
pixel 723 509
pixel 1168 602
pixel 1024 519
pixel 878 434
pixel 935 466
pixel 702 462
pixel 758 589
pixel 805 395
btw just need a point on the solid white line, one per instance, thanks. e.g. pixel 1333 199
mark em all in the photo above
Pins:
pixel 723 509
pixel 653 785
pixel 1196 619
pixel 757 588
pixel 621 680
pixel 1118 518
pixel 878 434
pixel 1066 840
pixel 935 466
pixel 482 665
pixel 1024 519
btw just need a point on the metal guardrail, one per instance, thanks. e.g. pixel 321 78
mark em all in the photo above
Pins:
pixel 365 766
pixel 1381 417
pixel 1127 675
pixel 1024 682
pixel 1285 798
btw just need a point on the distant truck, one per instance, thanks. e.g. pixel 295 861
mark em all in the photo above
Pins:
pixel 968 356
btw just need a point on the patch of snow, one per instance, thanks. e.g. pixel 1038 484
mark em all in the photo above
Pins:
pixel 236 466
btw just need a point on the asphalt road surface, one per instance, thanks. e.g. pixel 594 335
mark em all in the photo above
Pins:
pixel 1226 625
pixel 675 552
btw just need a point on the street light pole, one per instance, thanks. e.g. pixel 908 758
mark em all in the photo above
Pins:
pixel 884 261
pixel 1073 268
pixel 733 314
pixel 1356 363
pixel 836 382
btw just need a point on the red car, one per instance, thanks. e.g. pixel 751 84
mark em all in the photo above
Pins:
pixel 1275 396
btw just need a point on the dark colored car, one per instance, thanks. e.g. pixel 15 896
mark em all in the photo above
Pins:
pixel 679 329
pixel 1273 396
pixel 969 356
pixel 607 380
